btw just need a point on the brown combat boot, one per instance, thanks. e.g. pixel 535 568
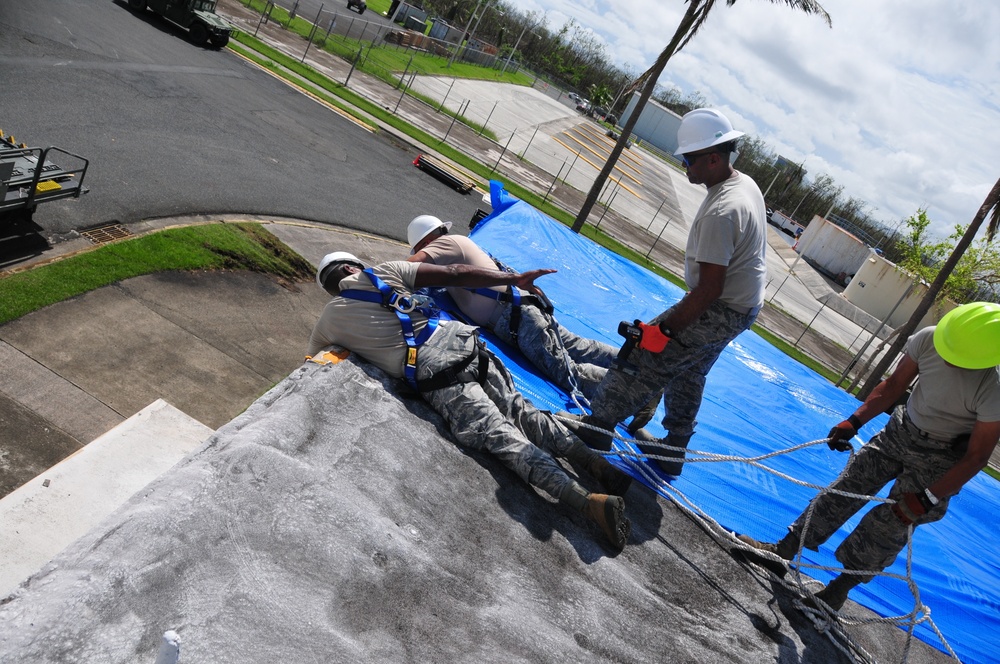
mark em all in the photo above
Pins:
pixel 614 481
pixel 785 548
pixel 835 593
pixel 606 511
pixel 609 513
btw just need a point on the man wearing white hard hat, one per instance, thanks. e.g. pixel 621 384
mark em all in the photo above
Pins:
pixel 375 314
pixel 725 273
pixel 932 446
pixel 520 318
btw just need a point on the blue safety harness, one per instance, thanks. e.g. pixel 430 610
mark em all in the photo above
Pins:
pixel 514 297
pixel 403 304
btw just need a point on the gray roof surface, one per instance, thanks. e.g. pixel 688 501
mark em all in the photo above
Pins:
pixel 335 521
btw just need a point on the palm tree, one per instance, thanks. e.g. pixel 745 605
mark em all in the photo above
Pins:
pixel 992 202
pixel 692 20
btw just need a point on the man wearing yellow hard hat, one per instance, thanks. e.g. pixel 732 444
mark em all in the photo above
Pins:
pixel 931 447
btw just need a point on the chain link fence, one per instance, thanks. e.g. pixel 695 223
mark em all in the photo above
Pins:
pixel 343 33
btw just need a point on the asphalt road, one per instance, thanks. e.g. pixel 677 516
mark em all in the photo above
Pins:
pixel 173 129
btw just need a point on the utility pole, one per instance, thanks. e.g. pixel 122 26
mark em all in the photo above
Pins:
pixel 461 40
pixel 511 54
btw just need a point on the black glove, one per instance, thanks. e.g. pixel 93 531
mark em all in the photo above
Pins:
pixel 911 506
pixel 839 438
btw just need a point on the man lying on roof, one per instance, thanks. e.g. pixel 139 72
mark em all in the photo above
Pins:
pixel 375 314
pixel 520 318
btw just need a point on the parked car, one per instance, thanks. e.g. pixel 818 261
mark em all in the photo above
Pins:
pixel 613 135
pixel 583 106
pixel 357 5
pixel 197 16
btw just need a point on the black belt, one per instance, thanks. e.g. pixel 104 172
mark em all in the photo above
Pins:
pixel 959 443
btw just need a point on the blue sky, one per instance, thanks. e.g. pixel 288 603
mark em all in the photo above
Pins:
pixel 899 102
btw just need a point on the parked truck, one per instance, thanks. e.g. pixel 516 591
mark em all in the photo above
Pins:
pixel 29 177
pixel 785 224
pixel 198 17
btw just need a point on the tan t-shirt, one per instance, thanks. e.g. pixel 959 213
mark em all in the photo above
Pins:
pixel 458 249
pixel 730 229
pixel 366 328
pixel 947 401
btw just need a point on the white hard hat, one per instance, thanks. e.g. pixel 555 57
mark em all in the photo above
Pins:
pixel 702 128
pixel 422 226
pixel 336 257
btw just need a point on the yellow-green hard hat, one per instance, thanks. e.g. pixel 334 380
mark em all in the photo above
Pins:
pixel 969 336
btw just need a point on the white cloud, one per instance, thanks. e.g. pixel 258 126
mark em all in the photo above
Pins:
pixel 899 102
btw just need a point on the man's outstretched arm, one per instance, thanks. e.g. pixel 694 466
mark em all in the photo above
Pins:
pixel 469 276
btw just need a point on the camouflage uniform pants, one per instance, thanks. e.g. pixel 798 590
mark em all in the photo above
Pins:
pixel 495 417
pixel 900 452
pixel 541 340
pixel 679 371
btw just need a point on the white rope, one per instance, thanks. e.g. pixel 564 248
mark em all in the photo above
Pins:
pixel 826 620
pixel 579 400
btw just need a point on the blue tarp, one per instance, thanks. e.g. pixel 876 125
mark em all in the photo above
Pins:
pixel 759 400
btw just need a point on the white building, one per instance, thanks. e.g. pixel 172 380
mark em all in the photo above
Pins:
pixel 657 124
pixel 883 289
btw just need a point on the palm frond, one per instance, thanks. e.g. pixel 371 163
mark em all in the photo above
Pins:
pixel 805 6
pixel 701 10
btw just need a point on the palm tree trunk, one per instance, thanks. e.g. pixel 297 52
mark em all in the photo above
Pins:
pixel 691 17
pixel 992 201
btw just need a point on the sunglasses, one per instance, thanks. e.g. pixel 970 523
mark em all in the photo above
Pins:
pixel 688 160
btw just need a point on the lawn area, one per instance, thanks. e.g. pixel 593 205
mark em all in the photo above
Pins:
pixel 388 61
pixel 241 246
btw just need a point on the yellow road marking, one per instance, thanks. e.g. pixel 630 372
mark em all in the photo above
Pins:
pixel 598 154
pixel 598 167
pixel 626 154
pixel 336 109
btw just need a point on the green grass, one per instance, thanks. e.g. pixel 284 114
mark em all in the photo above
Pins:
pixel 390 57
pixel 243 246
pixel 379 6
pixel 333 92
